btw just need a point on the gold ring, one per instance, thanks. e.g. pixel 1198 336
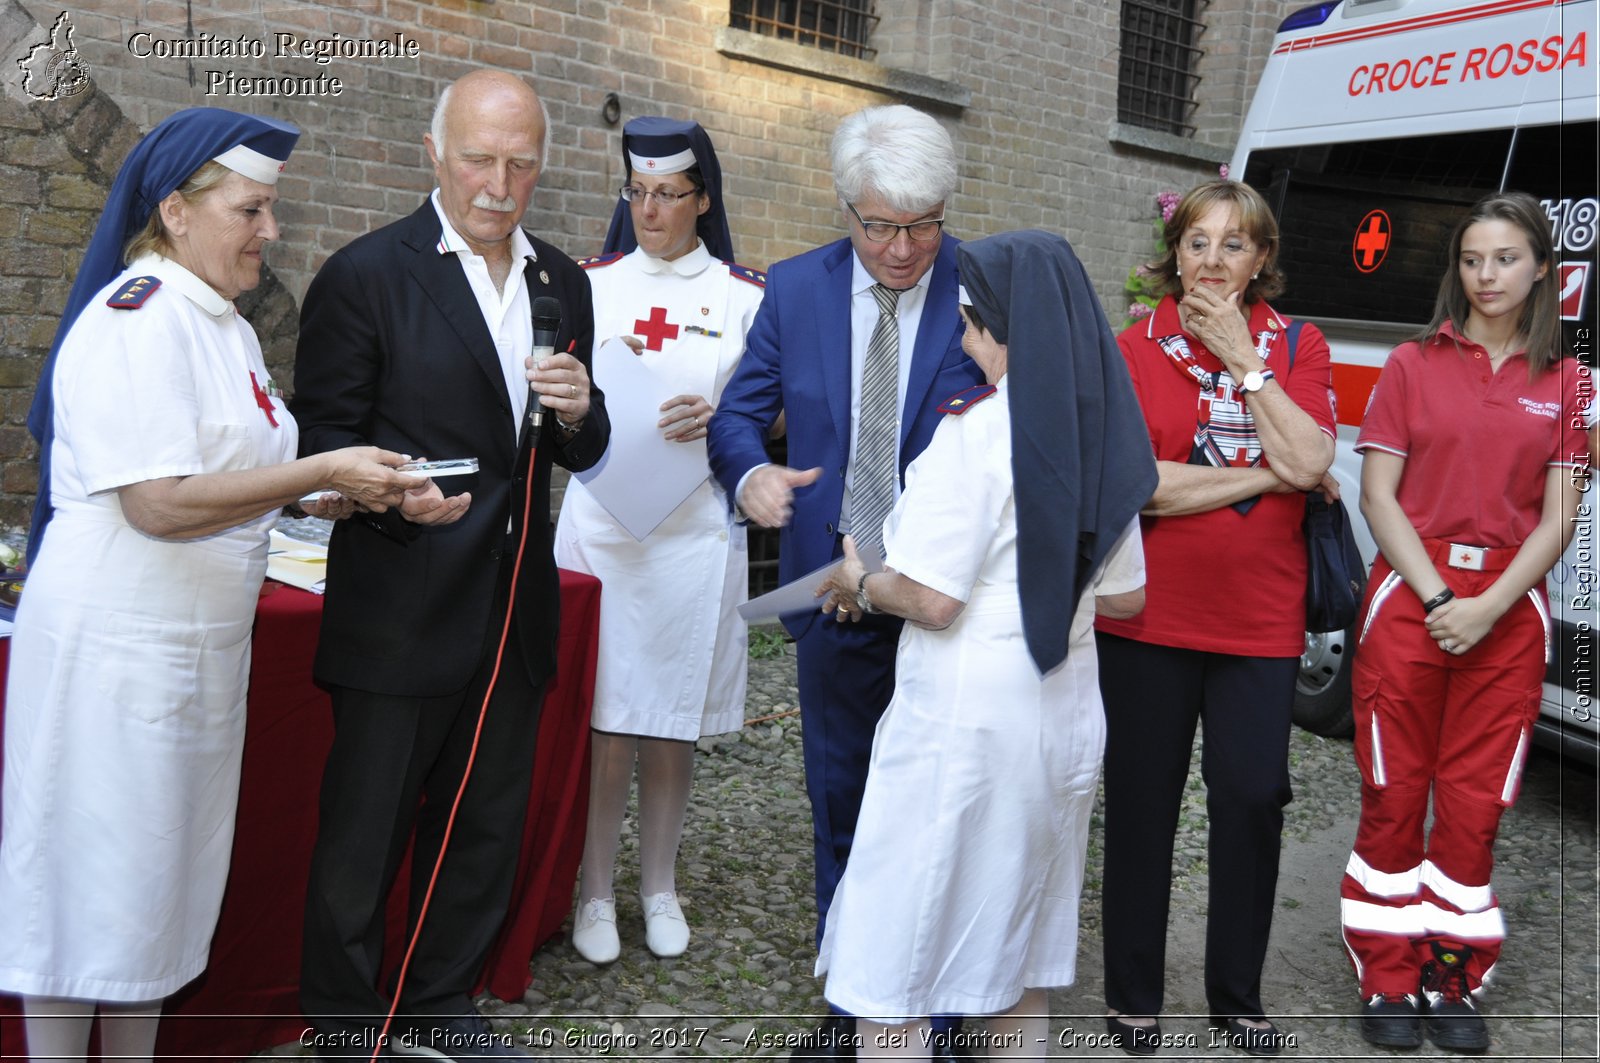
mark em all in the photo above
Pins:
pixel 572 391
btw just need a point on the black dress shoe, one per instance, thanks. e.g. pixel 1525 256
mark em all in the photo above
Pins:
pixel 1392 1020
pixel 835 1038
pixel 1134 1040
pixel 1251 1040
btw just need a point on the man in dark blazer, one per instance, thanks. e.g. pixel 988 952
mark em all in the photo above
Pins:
pixel 894 170
pixel 416 337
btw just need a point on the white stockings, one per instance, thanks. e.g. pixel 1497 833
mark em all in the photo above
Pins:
pixel 1024 1031
pixel 58 1030
pixel 666 772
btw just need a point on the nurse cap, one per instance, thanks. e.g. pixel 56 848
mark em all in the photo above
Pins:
pixel 261 155
pixel 658 145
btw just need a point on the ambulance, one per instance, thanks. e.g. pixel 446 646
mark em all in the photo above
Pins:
pixel 1375 125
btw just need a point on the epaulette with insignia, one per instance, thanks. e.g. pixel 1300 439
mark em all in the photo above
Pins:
pixel 962 401
pixel 745 273
pixel 600 260
pixel 131 296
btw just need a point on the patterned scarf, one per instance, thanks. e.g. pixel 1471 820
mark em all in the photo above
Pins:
pixel 1225 432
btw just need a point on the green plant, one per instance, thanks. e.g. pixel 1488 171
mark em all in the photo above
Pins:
pixel 767 643
pixel 1142 299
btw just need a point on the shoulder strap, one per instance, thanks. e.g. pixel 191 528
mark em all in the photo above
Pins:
pixel 1294 337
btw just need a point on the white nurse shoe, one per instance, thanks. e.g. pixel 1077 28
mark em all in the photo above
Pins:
pixel 665 930
pixel 594 931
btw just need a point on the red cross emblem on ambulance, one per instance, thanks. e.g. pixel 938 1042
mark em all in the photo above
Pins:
pixel 1371 245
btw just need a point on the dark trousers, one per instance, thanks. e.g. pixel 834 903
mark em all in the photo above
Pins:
pixel 388 754
pixel 1153 696
pixel 846 677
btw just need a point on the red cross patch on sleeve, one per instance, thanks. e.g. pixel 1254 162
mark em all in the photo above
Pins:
pixel 962 401
pixel 131 296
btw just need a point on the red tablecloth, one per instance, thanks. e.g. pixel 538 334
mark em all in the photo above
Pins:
pixel 246 1000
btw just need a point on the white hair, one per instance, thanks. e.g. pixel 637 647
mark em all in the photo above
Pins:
pixel 436 127
pixel 902 154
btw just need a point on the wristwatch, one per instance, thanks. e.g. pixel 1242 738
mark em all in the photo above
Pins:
pixel 862 601
pixel 1255 380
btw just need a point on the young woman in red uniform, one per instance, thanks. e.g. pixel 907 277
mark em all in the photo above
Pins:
pixel 1473 456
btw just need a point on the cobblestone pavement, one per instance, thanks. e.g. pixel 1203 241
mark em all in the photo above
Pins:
pixel 744 989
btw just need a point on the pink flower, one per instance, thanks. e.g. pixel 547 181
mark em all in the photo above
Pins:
pixel 1168 202
pixel 1139 310
pixel 1222 171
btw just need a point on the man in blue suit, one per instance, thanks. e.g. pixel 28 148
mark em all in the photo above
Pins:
pixel 816 356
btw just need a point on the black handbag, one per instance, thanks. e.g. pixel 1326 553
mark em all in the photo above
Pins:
pixel 1335 572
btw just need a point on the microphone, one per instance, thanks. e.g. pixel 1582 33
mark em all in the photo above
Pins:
pixel 546 323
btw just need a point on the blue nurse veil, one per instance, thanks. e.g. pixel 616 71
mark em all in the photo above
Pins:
pixel 1080 454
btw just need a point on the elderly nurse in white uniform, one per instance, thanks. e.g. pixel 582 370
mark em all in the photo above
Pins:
pixel 672 647
pixel 165 458
pixel 1017 522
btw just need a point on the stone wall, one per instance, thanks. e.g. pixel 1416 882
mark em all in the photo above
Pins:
pixel 1027 87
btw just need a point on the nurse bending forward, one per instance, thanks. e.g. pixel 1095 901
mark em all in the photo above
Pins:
pixel 1016 523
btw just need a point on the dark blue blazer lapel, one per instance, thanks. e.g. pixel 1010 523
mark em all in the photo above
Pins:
pixel 831 302
pixel 935 333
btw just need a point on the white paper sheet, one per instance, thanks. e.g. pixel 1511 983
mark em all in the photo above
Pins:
pixel 642 477
pixel 798 596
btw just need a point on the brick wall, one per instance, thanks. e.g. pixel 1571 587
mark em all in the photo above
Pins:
pixel 1037 135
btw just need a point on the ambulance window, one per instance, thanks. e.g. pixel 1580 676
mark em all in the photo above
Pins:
pixel 1364 225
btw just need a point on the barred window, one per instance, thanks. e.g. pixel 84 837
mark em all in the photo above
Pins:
pixel 1156 78
pixel 842 26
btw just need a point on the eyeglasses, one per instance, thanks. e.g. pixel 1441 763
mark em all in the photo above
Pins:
pixel 666 197
pixel 1197 247
pixel 881 232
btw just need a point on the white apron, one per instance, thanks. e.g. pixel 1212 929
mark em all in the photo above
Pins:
pixel 126 697
pixel 672 645
pixel 963 883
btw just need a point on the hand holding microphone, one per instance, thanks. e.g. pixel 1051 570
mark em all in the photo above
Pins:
pixel 557 382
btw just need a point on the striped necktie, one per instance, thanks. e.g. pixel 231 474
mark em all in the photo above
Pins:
pixel 872 492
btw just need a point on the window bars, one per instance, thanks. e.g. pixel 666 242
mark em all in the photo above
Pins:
pixel 842 26
pixel 1156 78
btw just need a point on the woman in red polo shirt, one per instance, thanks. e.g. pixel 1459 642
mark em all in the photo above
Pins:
pixel 1472 450
pixel 1241 424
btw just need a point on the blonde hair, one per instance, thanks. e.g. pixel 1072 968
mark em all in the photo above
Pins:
pixel 153 238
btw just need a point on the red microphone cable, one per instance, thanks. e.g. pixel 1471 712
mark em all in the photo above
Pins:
pixel 472 754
